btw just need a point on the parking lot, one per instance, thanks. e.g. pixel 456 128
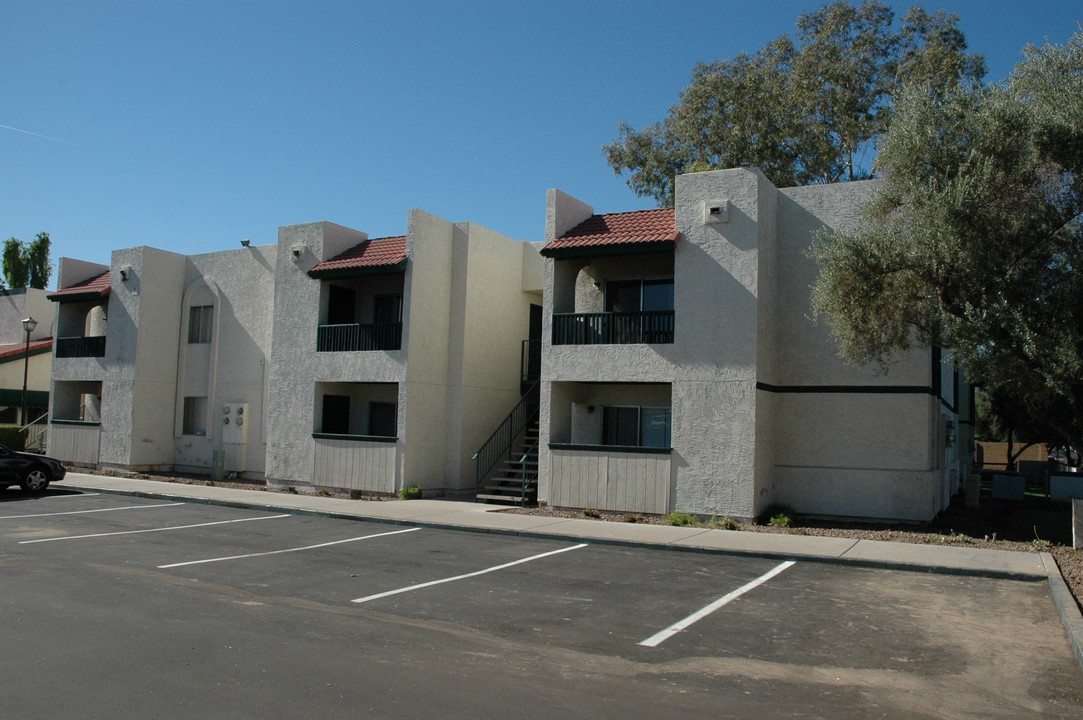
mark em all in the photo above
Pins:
pixel 143 607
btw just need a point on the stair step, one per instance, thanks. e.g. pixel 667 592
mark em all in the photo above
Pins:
pixel 501 498
pixel 499 483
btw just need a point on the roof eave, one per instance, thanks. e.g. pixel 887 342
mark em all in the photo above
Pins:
pixel 638 248
pixel 331 273
pixel 60 297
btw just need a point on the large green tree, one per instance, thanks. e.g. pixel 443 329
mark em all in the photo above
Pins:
pixel 975 239
pixel 27 264
pixel 802 109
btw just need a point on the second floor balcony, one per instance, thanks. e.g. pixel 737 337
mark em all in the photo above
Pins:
pixel 359 337
pixel 613 328
pixel 72 347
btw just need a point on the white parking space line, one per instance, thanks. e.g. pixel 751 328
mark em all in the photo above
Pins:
pixel 411 588
pixel 83 512
pixel 288 550
pixel 659 637
pixel 69 494
pixel 149 530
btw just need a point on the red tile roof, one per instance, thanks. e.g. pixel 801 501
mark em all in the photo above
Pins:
pixel 638 228
pixel 90 289
pixel 372 253
pixel 16 351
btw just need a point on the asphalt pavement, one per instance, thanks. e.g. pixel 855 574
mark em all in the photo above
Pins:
pixel 480 517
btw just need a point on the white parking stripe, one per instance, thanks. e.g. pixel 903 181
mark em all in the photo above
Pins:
pixel 660 637
pixel 82 512
pixel 136 532
pixel 288 550
pixel 411 588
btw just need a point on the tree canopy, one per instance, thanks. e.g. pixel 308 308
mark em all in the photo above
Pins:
pixel 975 239
pixel 27 264
pixel 801 109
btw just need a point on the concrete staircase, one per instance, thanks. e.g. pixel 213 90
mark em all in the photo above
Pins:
pixel 515 480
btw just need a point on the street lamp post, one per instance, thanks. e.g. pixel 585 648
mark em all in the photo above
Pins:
pixel 28 324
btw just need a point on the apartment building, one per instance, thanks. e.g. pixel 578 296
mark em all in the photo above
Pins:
pixel 681 370
pixel 328 359
pixel 648 361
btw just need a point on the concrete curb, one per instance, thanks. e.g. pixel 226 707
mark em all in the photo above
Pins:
pixel 1066 606
pixel 686 546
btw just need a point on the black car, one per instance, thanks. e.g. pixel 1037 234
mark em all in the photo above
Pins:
pixel 31 472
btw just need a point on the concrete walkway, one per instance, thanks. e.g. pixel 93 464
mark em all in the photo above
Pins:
pixel 480 517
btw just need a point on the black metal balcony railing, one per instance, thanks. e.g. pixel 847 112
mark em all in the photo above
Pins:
pixel 655 326
pixel 347 338
pixel 70 347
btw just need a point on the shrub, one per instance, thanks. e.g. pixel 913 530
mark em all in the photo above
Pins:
pixel 410 492
pixel 774 510
pixel 724 523
pixel 682 519
pixel 591 513
pixel 11 438
pixel 781 520
pixel 778 515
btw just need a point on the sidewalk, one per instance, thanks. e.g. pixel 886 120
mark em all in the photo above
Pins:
pixel 479 517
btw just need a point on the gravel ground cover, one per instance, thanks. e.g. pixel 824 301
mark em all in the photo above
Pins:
pixel 1033 525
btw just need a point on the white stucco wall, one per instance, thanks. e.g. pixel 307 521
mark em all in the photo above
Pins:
pixel 15 305
pixel 763 408
pixel 490 314
pixel 851 441
pixel 711 366
pixel 428 341
pixel 138 391
pixel 232 368
pixel 295 366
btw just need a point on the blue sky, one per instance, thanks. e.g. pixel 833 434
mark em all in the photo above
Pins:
pixel 190 126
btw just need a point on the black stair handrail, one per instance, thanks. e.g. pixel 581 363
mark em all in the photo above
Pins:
pixel 500 442
pixel 524 473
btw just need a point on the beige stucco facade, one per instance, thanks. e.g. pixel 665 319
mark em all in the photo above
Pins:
pixel 216 356
pixel 741 401
pixel 15 362
pixel 762 410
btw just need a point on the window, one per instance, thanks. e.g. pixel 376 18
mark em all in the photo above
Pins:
pixel 383 419
pixel 636 426
pixel 195 416
pixel 638 295
pixel 200 319
pixel 387 309
pixel 336 415
pixel 341 302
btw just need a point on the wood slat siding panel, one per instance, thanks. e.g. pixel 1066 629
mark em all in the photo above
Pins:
pixel 354 465
pixel 74 443
pixel 629 482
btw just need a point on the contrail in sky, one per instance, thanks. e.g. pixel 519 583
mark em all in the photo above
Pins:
pixel 66 142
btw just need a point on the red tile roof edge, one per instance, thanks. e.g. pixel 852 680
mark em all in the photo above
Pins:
pixel 637 227
pixel 97 286
pixel 374 252
pixel 18 349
